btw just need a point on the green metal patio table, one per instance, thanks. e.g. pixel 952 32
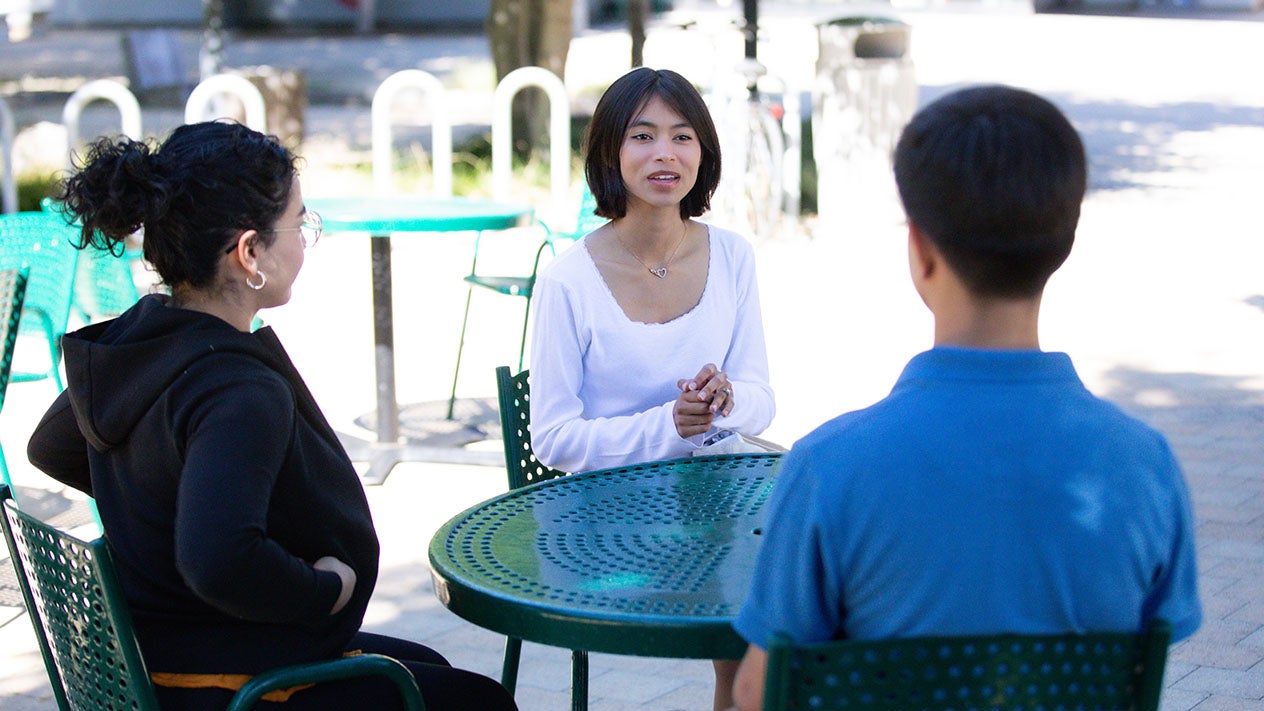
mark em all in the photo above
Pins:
pixel 648 560
pixel 381 217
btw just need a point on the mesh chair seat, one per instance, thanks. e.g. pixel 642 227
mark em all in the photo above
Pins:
pixel 507 285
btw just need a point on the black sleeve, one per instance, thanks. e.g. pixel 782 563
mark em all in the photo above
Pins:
pixel 238 437
pixel 59 449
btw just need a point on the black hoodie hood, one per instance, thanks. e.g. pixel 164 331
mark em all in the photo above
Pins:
pixel 117 369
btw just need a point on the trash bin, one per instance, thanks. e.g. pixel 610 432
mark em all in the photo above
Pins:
pixel 864 93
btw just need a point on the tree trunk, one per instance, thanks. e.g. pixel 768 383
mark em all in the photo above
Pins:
pixel 638 10
pixel 529 33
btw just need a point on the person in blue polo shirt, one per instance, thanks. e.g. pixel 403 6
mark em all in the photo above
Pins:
pixel 990 491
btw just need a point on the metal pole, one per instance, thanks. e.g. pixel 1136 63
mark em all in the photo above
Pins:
pixel 368 17
pixel 750 30
pixel 750 10
pixel 211 56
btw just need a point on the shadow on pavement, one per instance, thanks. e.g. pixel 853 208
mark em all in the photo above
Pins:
pixel 1187 404
pixel 1130 145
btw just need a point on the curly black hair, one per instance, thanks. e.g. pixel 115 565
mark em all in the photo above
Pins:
pixel 192 195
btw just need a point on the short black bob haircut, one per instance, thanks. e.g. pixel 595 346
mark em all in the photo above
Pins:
pixel 994 176
pixel 616 110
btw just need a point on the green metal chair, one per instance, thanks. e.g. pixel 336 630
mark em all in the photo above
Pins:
pixel 523 468
pixel 104 284
pixel 523 285
pixel 85 631
pixel 1086 672
pixel 12 291
pixel 514 392
pixel 43 243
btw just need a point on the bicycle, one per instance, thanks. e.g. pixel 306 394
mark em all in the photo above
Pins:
pixel 757 146
pixel 751 193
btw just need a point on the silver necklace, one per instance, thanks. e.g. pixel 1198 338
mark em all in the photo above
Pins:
pixel 660 272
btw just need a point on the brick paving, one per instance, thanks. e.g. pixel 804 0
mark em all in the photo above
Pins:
pixel 1161 305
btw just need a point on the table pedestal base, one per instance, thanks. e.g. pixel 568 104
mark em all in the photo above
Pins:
pixel 422 434
pixel 383 456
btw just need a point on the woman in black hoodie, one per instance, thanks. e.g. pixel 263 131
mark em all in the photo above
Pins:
pixel 242 534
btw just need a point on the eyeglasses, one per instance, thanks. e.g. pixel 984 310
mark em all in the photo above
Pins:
pixel 310 230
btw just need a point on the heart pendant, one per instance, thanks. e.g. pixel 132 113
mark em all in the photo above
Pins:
pixel 660 272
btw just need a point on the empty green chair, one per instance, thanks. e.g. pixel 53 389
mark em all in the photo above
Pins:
pixel 1086 672
pixel 523 468
pixel 12 290
pixel 44 244
pixel 85 634
pixel 104 284
pixel 522 285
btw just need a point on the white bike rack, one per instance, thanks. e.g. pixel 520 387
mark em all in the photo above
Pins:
pixel 9 188
pixel 109 90
pixel 441 130
pixel 199 106
pixel 559 134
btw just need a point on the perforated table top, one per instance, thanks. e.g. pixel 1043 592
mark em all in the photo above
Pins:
pixel 651 560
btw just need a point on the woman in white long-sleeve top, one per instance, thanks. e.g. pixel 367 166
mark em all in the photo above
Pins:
pixel 648 333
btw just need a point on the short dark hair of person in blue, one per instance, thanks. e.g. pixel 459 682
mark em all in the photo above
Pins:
pixel 994 177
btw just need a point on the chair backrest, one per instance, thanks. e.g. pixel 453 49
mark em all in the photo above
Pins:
pixel 515 422
pixel 588 219
pixel 42 242
pixel 1100 671
pixel 12 292
pixel 81 619
pixel 104 285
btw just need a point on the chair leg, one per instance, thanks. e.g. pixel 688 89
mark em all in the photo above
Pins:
pixel 96 515
pixel 509 671
pixel 456 373
pixel 54 355
pixel 4 475
pixel 579 680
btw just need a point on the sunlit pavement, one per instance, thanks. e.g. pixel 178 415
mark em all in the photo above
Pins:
pixel 1161 306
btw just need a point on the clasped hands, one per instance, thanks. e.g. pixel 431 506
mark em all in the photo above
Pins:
pixel 701 399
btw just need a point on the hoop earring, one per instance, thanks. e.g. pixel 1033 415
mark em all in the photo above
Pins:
pixel 263 281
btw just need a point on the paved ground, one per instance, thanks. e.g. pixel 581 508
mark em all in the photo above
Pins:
pixel 1161 305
